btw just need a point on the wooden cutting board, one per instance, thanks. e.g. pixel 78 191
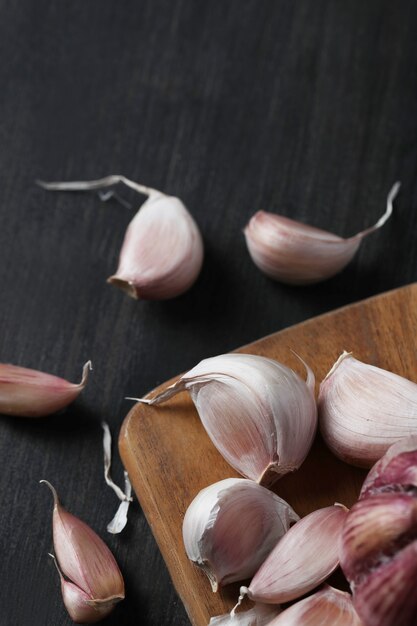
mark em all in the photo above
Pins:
pixel 170 458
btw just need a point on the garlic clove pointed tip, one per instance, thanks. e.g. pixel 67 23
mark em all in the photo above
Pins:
pixel 125 285
pixel 53 490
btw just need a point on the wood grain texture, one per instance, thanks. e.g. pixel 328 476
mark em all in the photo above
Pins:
pixel 304 108
pixel 170 458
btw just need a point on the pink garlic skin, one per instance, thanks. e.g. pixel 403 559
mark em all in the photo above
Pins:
pixel 30 393
pixel 305 556
pixel 378 548
pixel 93 584
pixel 296 253
pixel 328 607
pixel 162 252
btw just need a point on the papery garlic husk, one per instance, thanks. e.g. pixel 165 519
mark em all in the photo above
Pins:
pixel 296 253
pixel 29 393
pixel 395 471
pixel 378 548
pixel 258 615
pixel 328 607
pixel 260 415
pixel 303 559
pixel 364 409
pixel 91 581
pixel 162 252
pixel 231 526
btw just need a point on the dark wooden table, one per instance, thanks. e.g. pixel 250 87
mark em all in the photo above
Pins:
pixel 304 108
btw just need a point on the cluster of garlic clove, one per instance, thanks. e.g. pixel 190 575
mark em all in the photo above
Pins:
pixel 29 393
pixel 231 526
pixel 378 552
pixel 91 582
pixel 364 409
pixel 260 415
pixel 299 254
pixel 162 252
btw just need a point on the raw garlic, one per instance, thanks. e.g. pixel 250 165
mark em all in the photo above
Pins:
pixel 296 253
pixel 231 526
pixel 305 556
pixel 260 415
pixel 30 393
pixel 258 615
pixel 91 582
pixel 162 252
pixel 364 409
pixel 328 607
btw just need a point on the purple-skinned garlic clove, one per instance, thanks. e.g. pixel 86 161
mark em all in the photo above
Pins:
pixel 231 526
pixel 364 409
pixel 260 415
pixel 162 252
pixel 91 582
pixel 299 254
pixel 306 555
pixel 29 393
pixel 328 607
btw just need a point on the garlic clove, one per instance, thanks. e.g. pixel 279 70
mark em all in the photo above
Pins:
pixel 364 409
pixel 395 471
pixel 258 615
pixel 296 253
pixel 30 393
pixel 231 526
pixel 328 607
pixel 378 555
pixel 305 556
pixel 260 415
pixel 162 252
pixel 84 559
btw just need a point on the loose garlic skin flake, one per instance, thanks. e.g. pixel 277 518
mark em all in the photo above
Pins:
pixel 260 415
pixel 364 409
pixel 29 393
pixel 91 582
pixel 299 254
pixel 231 526
pixel 162 252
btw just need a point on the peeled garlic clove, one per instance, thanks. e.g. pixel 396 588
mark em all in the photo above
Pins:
pixel 30 393
pixel 231 526
pixel 395 471
pixel 305 556
pixel 259 615
pixel 260 415
pixel 296 253
pixel 364 409
pixel 329 607
pixel 162 252
pixel 378 555
pixel 95 584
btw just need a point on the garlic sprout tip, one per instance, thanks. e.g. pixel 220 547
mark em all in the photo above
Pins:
pixel 52 488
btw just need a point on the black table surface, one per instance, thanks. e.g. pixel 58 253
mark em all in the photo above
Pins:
pixel 304 108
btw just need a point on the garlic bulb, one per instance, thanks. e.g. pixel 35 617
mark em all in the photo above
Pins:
pixel 378 549
pixel 305 556
pixel 329 607
pixel 91 582
pixel 259 414
pixel 162 252
pixel 364 409
pixel 30 393
pixel 299 254
pixel 258 615
pixel 231 526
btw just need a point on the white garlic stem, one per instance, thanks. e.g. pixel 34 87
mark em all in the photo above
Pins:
pixel 364 409
pixel 162 252
pixel 231 526
pixel 259 414
pixel 258 615
pixel 297 253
